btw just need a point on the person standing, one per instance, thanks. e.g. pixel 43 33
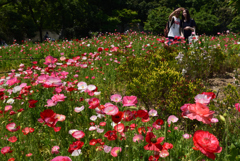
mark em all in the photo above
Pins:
pixel 174 25
pixel 188 25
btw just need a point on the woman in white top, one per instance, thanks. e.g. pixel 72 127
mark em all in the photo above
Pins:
pixel 174 25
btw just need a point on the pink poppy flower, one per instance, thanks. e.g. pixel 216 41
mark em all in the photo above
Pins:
pixel 42 78
pixel 116 98
pixel 60 117
pixel 152 112
pixel 115 151
pixel 78 134
pixel 49 60
pixel 6 149
pixel 110 109
pixel 58 97
pixel 55 150
pixel 237 106
pixel 61 158
pixel 129 101
pixel 164 153
pixel 53 81
pixel 172 119
pixel 214 120
pixel 78 109
pixel 29 154
pixel 12 81
pixel 50 103
pixel 187 136
pixel 138 138
pixel 202 98
pixel 107 149
pixel 7 108
pixel 12 127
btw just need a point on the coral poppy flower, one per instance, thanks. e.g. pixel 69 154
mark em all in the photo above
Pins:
pixel 94 103
pixel 27 130
pixel 11 159
pixel 32 103
pixel 198 111
pixel 202 98
pixel 167 146
pixel 154 143
pixel 6 149
pixel 207 143
pixel 129 101
pixel 141 129
pixel 61 158
pixel 111 135
pixel 118 117
pixel 75 146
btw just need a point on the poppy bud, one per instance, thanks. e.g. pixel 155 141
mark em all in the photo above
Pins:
pixel 222 118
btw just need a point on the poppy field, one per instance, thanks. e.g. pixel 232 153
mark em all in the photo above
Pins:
pixel 119 97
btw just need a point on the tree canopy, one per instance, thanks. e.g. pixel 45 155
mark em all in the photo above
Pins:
pixel 20 19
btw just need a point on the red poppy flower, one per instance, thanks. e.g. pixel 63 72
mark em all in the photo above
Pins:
pixel 1 94
pixel 210 94
pixel 32 103
pixel 75 146
pixel 100 49
pixel 93 142
pixel 12 139
pixel 154 143
pixel 142 114
pixel 111 135
pixel 119 127
pixel 167 146
pixel 48 116
pixel 118 117
pixel 159 122
pixel 94 103
pixel 141 129
pixel 56 129
pixel 207 143
pixel 128 116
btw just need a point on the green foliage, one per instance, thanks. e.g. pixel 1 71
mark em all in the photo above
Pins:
pixel 205 21
pixel 180 93
pixel 157 19
pixel 153 78
pixel 234 25
pixel 199 63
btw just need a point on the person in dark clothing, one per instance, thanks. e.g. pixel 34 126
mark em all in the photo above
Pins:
pixel 46 36
pixel 187 24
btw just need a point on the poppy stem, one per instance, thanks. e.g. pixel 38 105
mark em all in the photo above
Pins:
pixel 165 131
